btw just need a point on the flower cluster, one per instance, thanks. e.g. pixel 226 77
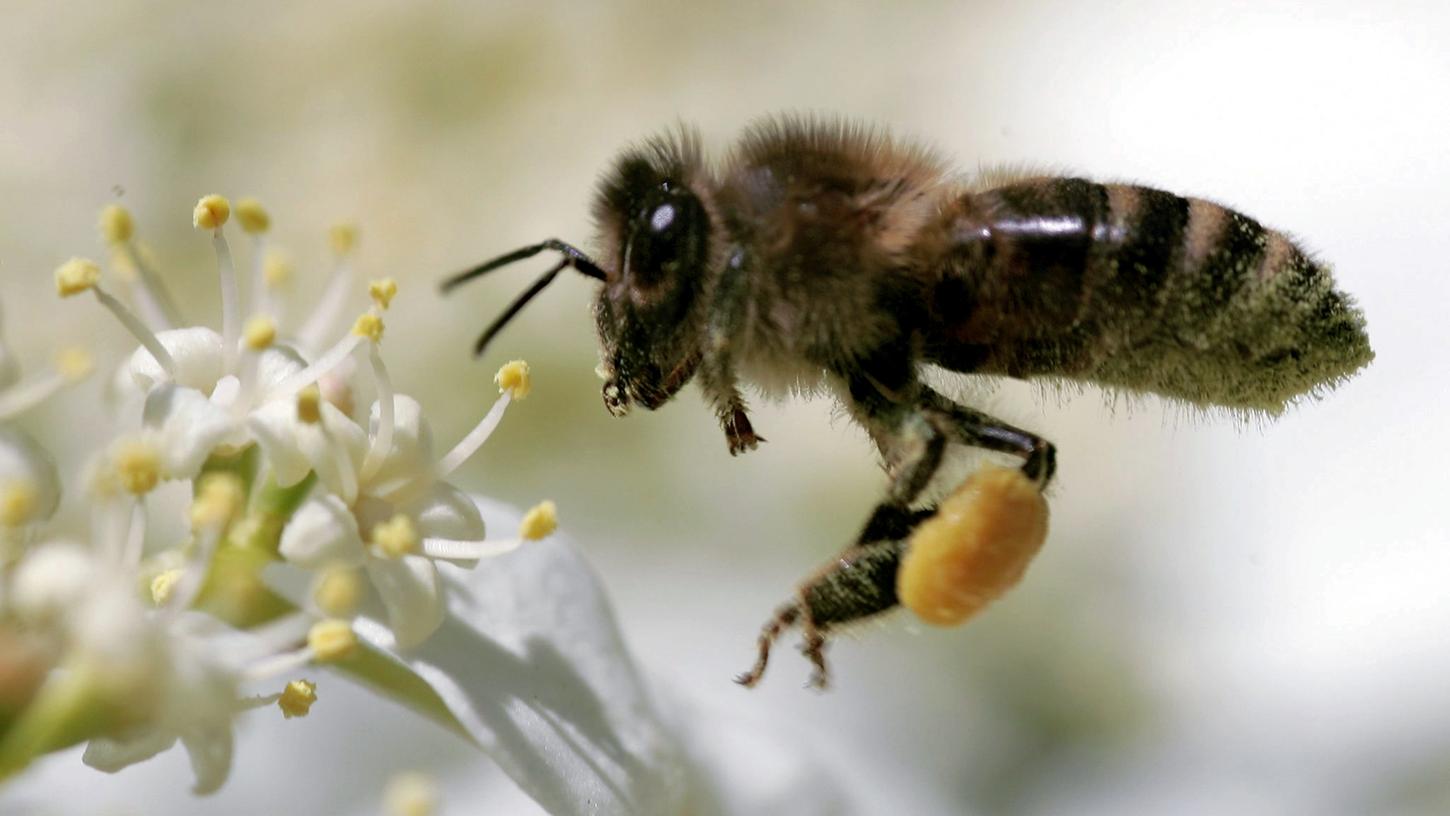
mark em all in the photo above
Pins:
pixel 136 637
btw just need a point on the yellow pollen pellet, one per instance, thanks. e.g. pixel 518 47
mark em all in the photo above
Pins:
pixel 382 291
pixel 211 212
pixel 276 269
pixel 397 536
pixel 297 698
pixel 252 216
pixel 19 499
pixel 116 224
pixel 368 325
pixel 74 363
pixel 331 639
pixel 138 466
pixel 975 548
pixel 514 378
pixel 259 333
pixel 219 497
pixel 337 592
pixel 75 276
pixel 309 405
pixel 410 793
pixel 163 585
pixel 343 238
pixel 542 520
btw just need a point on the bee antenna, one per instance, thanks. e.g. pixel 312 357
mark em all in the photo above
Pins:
pixel 518 304
pixel 572 257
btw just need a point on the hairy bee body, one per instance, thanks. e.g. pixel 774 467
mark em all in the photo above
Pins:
pixel 848 238
pixel 819 252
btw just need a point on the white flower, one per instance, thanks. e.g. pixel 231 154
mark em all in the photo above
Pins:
pixel 418 517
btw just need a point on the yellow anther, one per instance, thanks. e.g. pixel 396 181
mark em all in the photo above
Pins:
pixel 163 585
pixel 309 405
pixel 541 521
pixel 116 224
pixel 276 269
pixel 368 325
pixel 137 464
pixel 211 212
pixel 19 499
pixel 252 216
pixel 331 639
pixel 74 363
pixel 297 698
pixel 411 793
pixel 337 592
pixel 397 536
pixel 260 332
pixel 343 238
pixel 219 498
pixel 975 548
pixel 75 276
pixel 382 291
pixel 514 378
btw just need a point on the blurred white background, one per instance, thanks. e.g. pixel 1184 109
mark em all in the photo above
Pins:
pixel 1225 619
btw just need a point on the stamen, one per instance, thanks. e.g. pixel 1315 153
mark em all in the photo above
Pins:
pixel 452 549
pixel 79 275
pixel 475 438
pixel 138 330
pixel 396 537
pixel 151 295
pixel 253 216
pixel 258 335
pixel 331 640
pixel 164 585
pixel 514 378
pixel 382 443
pixel 327 362
pixel 276 271
pixel 297 698
pixel 319 325
pixel 19 499
pixel 211 213
pixel 337 592
pixel 72 365
pixel 540 522
pixel 382 292
pixel 514 381
pixel 138 465
pixel 255 222
pixel 411 793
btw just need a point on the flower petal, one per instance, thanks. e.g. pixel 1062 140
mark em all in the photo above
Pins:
pixel 531 663
pixel 411 456
pixel 191 426
pixel 322 533
pixel 210 751
pixel 444 511
pixel 412 594
pixel 113 754
pixel 275 427
pixel 197 352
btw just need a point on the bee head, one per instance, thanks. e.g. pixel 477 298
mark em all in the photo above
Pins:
pixel 656 244
pixel 654 221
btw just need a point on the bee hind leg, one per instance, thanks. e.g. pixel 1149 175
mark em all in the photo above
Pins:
pixel 855 585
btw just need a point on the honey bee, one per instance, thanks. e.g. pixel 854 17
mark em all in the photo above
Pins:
pixel 830 254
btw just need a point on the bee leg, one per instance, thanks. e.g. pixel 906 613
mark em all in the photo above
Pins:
pixel 971 427
pixel 853 586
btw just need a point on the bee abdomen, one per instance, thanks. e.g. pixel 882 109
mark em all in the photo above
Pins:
pixel 1137 288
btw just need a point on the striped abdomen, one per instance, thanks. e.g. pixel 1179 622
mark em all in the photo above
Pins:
pixel 1136 288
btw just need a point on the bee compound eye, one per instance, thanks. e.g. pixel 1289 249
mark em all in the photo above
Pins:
pixel 662 217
